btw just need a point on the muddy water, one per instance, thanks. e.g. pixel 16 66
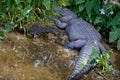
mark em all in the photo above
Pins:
pixel 22 58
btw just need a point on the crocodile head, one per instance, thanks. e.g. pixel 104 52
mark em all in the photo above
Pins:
pixel 62 12
pixel 65 13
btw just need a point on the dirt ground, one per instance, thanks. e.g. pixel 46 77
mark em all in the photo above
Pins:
pixel 22 58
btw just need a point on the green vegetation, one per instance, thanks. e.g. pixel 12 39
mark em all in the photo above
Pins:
pixel 101 61
pixel 19 13
pixel 104 15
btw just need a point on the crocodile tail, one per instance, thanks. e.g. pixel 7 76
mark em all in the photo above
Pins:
pixel 86 69
pixel 81 62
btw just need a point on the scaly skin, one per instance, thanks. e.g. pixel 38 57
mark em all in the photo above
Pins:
pixel 86 69
pixel 82 35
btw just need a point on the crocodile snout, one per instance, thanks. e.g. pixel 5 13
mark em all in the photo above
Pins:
pixel 58 9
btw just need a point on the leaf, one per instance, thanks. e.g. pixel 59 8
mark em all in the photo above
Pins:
pixel 79 2
pixel 3 15
pixel 26 10
pixel 116 20
pixel 69 2
pixel 96 6
pixel 118 44
pixel 2 35
pixel 9 27
pixel 81 7
pixel 32 2
pixel 17 1
pixel 113 36
pixel 46 4
pixel 9 3
pixel 89 6
pixel 98 28
pixel 31 17
pixel 99 20
pixel 20 19
pixel 62 2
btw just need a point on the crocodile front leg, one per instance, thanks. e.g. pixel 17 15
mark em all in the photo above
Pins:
pixel 58 23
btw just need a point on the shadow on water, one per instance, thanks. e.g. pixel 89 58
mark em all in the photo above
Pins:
pixel 38 59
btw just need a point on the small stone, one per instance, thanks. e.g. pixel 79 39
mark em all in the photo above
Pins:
pixel 37 63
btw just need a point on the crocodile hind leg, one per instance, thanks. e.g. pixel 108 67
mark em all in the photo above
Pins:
pixel 75 44
pixel 101 47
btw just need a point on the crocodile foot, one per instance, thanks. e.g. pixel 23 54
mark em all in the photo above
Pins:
pixel 65 45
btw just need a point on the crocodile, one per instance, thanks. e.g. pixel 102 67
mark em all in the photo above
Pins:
pixel 82 36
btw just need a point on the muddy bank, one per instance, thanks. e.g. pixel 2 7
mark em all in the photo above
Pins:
pixel 22 58
pixel 33 59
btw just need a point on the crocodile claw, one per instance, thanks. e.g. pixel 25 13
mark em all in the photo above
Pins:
pixel 65 45
pixel 53 18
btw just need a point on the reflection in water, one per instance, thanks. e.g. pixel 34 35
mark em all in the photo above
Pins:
pixel 37 59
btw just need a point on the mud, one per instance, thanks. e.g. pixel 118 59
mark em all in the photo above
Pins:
pixel 22 58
